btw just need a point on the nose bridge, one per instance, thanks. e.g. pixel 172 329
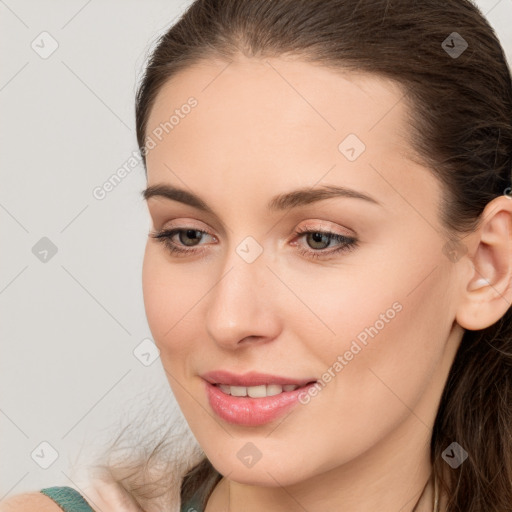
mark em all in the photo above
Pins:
pixel 241 301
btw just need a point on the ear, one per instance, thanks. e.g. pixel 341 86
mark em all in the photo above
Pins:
pixel 487 292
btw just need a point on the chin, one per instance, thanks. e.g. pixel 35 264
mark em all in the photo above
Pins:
pixel 271 473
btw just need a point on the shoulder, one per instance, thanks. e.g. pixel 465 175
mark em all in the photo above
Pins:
pixel 28 502
pixel 97 495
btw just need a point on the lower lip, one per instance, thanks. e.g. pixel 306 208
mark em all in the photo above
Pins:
pixel 244 410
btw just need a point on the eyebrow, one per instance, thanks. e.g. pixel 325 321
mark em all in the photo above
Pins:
pixel 293 199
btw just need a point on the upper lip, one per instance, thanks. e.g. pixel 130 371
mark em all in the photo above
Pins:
pixel 251 379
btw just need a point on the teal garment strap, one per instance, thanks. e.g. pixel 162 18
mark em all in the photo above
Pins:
pixel 194 504
pixel 191 506
pixel 68 499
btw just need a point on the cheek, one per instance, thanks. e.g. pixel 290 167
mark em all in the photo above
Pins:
pixel 155 289
pixel 384 326
pixel 342 308
pixel 171 298
pixel 391 338
pixel 388 361
pixel 165 295
pixel 169 302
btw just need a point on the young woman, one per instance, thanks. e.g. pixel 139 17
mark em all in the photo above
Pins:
pixel 329 272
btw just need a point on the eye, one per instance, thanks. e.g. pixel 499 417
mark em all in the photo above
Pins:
pixel 189 237
pixel 318 240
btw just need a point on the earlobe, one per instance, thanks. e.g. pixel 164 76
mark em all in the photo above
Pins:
pixel 487 294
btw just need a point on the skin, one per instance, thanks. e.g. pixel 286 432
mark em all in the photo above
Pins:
pixel 268 126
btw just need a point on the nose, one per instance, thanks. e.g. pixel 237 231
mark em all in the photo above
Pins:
pixel 242 306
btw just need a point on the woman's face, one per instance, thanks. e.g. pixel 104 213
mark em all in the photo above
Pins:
pixel 368 315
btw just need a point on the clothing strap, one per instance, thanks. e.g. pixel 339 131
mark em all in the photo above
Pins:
pixel 68 499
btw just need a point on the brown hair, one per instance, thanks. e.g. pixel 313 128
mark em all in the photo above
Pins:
pixel 461 128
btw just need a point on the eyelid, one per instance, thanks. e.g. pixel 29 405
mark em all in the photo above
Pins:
pixel 322 225
pixel 183 224
pixel 163 213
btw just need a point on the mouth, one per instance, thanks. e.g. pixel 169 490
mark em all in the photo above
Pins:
pixel 255 405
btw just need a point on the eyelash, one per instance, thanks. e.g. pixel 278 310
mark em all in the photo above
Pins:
pixel 347 243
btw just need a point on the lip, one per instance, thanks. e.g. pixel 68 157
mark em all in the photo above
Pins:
pixel 248 411
pixel 251 379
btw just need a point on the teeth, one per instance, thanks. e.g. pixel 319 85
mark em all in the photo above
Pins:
pixel 256 391
pixel 275 389
pixel 225 389
pixel 238 390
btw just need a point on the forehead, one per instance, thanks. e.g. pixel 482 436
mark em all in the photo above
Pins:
pixel 277 120
pixel 280 93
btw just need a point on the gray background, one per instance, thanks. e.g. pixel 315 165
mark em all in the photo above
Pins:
pixel 70 324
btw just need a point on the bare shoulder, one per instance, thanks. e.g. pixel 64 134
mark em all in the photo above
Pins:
pixel 29 502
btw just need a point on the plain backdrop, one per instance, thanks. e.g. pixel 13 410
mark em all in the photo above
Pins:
pixel 73 332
